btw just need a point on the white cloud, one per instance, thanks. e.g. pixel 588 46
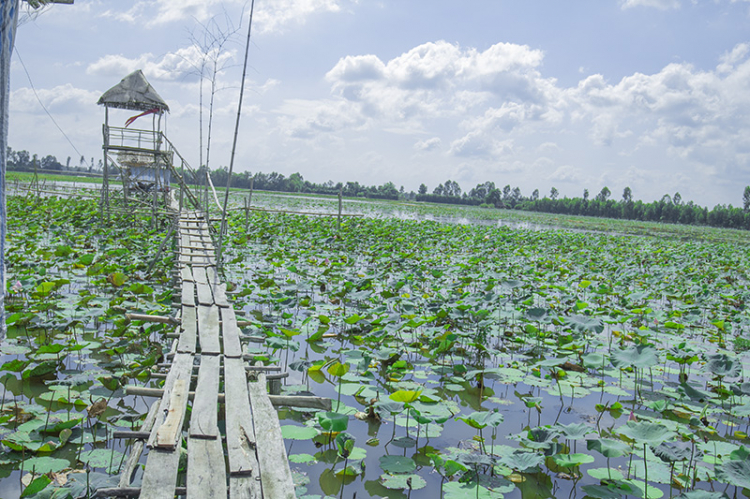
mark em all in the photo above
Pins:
pixel 184 62
pixel 268 16
pixel 658 4
pixel 301 119
pixel 428 144
pixel 567 173
pixel 62 99
pixel 729 60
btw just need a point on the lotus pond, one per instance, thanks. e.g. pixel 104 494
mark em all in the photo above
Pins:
pixel 475 361
pixel 464 360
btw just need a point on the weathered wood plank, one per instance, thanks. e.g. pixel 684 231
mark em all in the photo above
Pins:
pixel 160 475
pixel 182 369
pixel 230 333
pixel 200 276
pixel 135 453
pixel 219 288
pixel 240 434
pixel 206 478
pixel 188 294
pixel 189 331
pixel 276 477
pixel 205 296
pixel 167 435
pixel 244 487
pixel 186 274
pixel 203 418
pixel 208 330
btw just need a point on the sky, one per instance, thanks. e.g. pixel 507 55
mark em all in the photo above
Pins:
pixel 648 94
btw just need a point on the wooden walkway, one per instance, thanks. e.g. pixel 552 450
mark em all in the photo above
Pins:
pixel 245 457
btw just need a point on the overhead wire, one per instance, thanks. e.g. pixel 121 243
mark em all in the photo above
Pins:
pixel 47 111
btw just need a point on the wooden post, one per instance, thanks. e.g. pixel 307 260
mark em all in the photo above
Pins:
pixel 341 189
pixel 182 186
pixel 105 177
pixel 247 214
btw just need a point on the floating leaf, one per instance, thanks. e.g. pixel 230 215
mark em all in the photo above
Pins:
pixel 397 464
pixel 293 432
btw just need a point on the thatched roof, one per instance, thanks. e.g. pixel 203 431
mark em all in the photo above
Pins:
pixel 133 92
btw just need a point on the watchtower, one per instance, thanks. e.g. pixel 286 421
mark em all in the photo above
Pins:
pixel 140 155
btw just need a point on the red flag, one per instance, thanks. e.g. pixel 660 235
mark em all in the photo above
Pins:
pixel 133 118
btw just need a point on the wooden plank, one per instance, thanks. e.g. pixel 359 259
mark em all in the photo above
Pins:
pixel 276 477
pixel 160 475
pixel 135 453
pixel 206 478
pixel 189 331
pixel 240 434
pixel 167 435
pixel 182 369
pixel 205 296
pixel 218 288
pixel 244 487
pixel 186 274
pixel 208 330
pixel 203 418
pixel 200 276
pixel 230 333
pixel 188 294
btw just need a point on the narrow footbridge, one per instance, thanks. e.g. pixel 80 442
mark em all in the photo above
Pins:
pixel 189 452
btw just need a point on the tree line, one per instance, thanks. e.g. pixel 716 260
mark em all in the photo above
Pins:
pixel 670 208
pixel 24 161
pixel 296 183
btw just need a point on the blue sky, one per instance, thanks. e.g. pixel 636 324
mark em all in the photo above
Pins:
pixel 650 94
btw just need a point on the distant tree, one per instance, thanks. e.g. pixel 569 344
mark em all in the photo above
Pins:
pixel 451 188
pixel 627 195
pixel 746 198
pixel 494 197
pixel 82 163
pixel 516 195
pixel 604 194
pixel 422 189
pixel 666 199
pixel 296 182
pixel 67 163
pixel 553 193
pixel 677 199
pixel 50 162
pixel 535 195
pixel 585 194
pixel 481 191
pixel 439 190
pixel 506 192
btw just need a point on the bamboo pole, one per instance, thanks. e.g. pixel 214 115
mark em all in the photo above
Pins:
pixel 234 141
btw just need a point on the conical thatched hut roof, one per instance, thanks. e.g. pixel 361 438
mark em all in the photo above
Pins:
pixel 133 92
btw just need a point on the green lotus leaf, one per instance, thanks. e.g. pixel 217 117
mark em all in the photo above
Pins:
pixel 584 324
pixel 645 432
pixel 293 432
pixel 639 357
pixel 522 461
pixel 670 452
pixel 409 482
pixel 333 421
pixel 722 365
pixel 608 447
pixel 735 472
pixel 572 460
pixel 397 464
